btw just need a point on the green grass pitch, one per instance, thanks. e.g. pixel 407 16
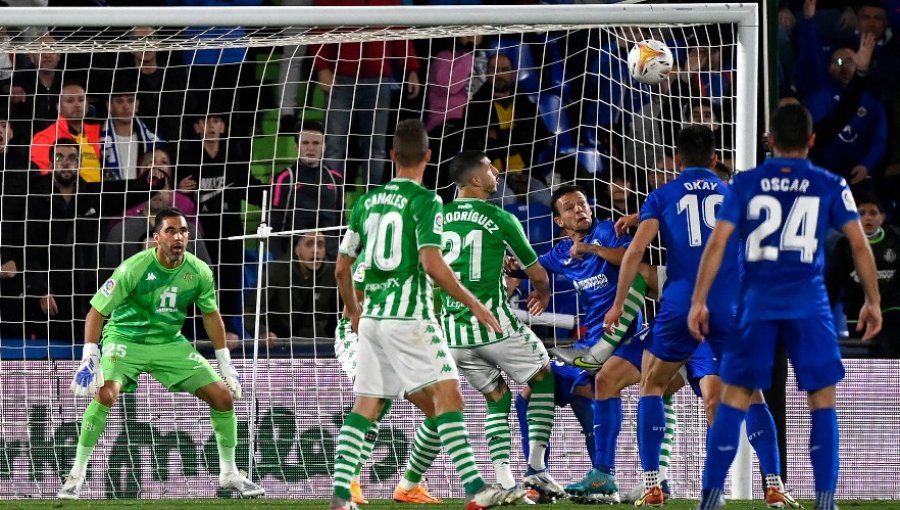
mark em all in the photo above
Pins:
pixel 314 504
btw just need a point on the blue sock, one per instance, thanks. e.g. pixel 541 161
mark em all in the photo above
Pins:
pixel 584 413
pixel 651 429
pixel 721 447
pixel 762 436
pixel 607 424
pixel 823 452
pixel 521 414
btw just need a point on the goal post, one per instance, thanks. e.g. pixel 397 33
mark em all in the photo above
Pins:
pixel 158 444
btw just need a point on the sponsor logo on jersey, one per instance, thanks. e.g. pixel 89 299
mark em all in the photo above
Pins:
pixel 390 283
pixel 168 300
pixel 107 288
pixel 595 282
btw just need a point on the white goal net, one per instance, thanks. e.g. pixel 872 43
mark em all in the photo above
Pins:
pixel 102 126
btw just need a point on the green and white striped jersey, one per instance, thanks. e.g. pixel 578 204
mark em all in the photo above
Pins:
pixel 477 235
pixel 391 224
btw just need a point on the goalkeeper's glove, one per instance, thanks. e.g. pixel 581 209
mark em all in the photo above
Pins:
pixel 229 374
pixel 89 376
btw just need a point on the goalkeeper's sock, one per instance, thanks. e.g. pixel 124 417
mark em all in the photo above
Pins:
pixel 346 455
pixel 224 424
pixel 455 439
pixel 92 425
pixel 540 419
pixel 371 437
pixel 426 447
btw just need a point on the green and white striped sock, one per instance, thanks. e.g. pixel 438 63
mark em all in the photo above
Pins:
pixel 371 437
pixel 496 432
pixel 602 350
pixel 540 419
pixel 346 455
pixel 665 454
pixel 455 438
pixel 426 447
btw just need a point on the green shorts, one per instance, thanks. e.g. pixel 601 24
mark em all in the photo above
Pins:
pixel 177 365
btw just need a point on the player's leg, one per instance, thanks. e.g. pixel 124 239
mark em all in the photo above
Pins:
pixel 593 357
pixel 524 359
pixel 617 373
pixel 814 353
pixel 366 452
pixel 764 439
pixel 747 365
pixel 421 344
pixel 426 447
pixel 122 363
pixel 376 382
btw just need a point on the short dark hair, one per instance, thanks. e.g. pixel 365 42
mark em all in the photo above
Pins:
pixel 791 127
pixel 561 191
pixel 64 141
pixel 696 146
pixel 868 198
pixel 72 83
pixel 464 163
pixel 410 142
pixel 161 217
pixel 308 125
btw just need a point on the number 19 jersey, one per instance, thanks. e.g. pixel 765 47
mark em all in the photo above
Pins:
pixel 476 236
pixel 782 210
pixel 391 224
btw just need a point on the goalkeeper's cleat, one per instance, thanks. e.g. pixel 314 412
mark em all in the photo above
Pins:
pixel 544 483
pixel 651 497
pixel 71 487
pixel 342 504
pixel 579 358
pixel 777 498
pixel 493 495
pixel 356 493
pixel 239 482
pixel 595 482
pixel 418 494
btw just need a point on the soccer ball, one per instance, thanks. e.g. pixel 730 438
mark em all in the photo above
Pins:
pixel 650 61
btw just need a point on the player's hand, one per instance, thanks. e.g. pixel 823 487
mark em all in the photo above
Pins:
pixel 579 249
pixel 510 265
pixel 698 321
pixel 48 305
pixel 858 174
pixel 89 376
pixel 611 319
pixel 486 317
pixel 537 302
pixel 869 321
pixel 229 373
pixel 413 85
pixel 625 222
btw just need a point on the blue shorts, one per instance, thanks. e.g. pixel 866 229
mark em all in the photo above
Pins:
pixel 566 379
pixel 671 340
pixel 632 348
pixel 701 364
pixel 811 345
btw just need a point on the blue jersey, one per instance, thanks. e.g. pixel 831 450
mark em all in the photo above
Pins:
pixel 593 277
pixel 782 210
pixel 686 211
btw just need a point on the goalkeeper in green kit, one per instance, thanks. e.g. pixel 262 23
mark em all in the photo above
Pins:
pixel 146 301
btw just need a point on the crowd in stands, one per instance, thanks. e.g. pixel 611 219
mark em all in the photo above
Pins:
pixel 93 145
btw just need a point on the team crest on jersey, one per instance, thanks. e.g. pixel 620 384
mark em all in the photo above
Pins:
pixel 107 288
pixel 188 277
pixel 890 255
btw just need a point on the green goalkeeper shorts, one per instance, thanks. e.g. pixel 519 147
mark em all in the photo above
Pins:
pixel 177 366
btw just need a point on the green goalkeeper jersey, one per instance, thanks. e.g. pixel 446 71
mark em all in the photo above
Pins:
pixel 476 237
pixel 392 223
pixel 148 302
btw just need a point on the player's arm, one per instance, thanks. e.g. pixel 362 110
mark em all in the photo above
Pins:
pixel 628 268
pixel 540 297
pixel 710 262
pixel 215 329
pixel 870 313
pixel 343 273
pixel 433 263
pixel 612 255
